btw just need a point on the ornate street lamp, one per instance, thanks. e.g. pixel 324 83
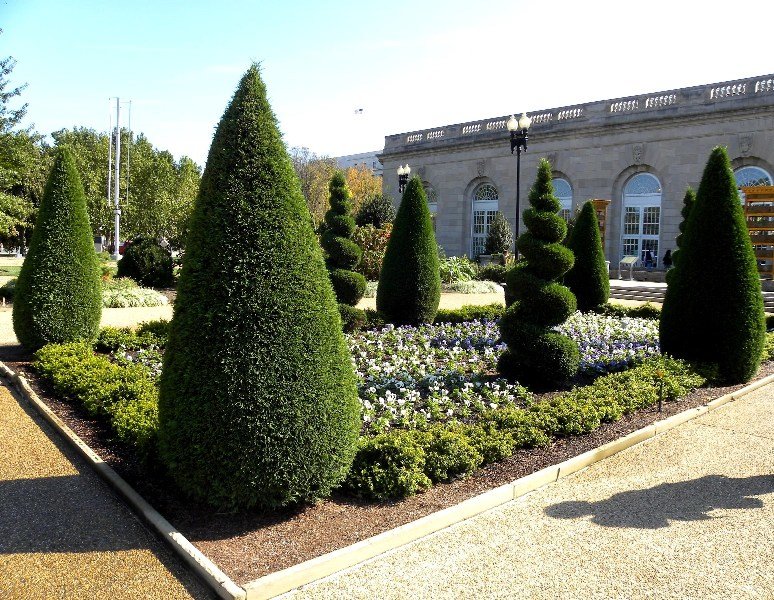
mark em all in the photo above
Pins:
pixel 403 175
pixel 518 128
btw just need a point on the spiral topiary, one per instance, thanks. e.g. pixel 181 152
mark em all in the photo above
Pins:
pixel 343 253
pixel 688 201
pixel 536 354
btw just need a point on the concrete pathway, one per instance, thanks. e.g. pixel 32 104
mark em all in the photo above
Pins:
pixel 689 515
pixel 63 534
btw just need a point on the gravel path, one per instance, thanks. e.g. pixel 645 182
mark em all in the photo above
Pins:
pixel 688 514
pixel 63 534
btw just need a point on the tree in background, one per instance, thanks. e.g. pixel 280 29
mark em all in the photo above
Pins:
pixel 314 173
pixel 378 210
pixel 499 239
pixel 588 278
pixel 362 184
pixel 58 296
pixel 343 253
pixel 268 415
pixel 537 354
pixel 713 308
pixel 409 288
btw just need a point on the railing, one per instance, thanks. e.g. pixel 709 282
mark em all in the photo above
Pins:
pixel 694 100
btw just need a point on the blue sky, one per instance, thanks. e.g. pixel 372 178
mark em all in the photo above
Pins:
pixel 408 65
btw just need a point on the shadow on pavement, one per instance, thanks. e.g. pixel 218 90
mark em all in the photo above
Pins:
pixel 655 507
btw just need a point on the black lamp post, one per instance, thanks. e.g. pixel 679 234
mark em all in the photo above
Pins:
pixel 518 128
pixel 403 175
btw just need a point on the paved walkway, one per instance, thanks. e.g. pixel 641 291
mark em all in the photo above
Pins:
pixel 63 534
pixel 689 515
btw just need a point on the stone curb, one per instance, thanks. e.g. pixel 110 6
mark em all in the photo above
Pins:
pixel 279 582
pixel 215 579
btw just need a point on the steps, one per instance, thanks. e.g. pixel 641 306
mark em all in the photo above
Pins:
pixel 656 294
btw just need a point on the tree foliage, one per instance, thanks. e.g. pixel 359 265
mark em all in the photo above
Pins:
pixel 536 353
pixel 500 237
pixel 713 308
pixel 588 279
pixel 362 184
pixel 378 211
pixel 258 403
pixel 409 288
pixel 314 173
pixel 58 296
pixel 9 117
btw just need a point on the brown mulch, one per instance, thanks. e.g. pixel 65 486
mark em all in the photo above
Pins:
pixel 247 546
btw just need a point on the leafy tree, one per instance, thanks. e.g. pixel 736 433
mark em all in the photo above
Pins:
pixel 58 296
pixel 315 173
pixel 9 118
pixel 257 402
pixel 536 353
pixel 713 308
pixel 588 278
pixel 343 253
pixel 378 210
pixel 409 288
pixel 500 237
pixel 17 217
pixel 362 184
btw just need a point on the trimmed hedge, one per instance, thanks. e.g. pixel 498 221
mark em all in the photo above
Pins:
pixel 536 354
pixel 588 279
pixel 58 296
pixel 643 311
pixel 258 403
pixel 148 263
pixel 400 463
pixel 410 284
pixel 717 316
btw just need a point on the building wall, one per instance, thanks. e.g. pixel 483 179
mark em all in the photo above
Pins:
pixel 597 147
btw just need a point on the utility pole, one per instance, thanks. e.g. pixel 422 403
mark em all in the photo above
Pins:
pixel 116 181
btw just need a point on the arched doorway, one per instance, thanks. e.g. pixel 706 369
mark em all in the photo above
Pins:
pixel 485 206
pixel 641 227
pixel 563 192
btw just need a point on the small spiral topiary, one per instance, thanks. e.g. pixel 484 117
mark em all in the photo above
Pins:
pixel 343 253
pixel 536 354
pixel 688 201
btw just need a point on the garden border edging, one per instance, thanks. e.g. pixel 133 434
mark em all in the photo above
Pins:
pixel 207 571
pixel 279 582
pixel 288 579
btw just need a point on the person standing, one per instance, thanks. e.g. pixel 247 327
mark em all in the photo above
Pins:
pixel 668 259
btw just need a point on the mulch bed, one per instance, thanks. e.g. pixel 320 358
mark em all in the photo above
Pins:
pixel 247 546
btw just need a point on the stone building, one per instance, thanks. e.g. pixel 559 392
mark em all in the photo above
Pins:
pixel 639 152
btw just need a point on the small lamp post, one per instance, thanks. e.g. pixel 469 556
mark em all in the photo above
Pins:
pixel 518 128
pixel 403 175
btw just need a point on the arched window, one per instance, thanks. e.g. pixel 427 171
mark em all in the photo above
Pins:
pixel 432 201
pixel 563 191
pixel 749 176
pixel 485 206
pixel 641 217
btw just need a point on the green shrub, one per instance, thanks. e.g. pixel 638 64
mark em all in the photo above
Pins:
pixel 123 292
pixel 111 339
pixel 343 253
pixel 718 318
pixel 377 211
pixel 388 466
pixel 148 263
pixel 258 402
pixel 491 443
pixel 352 319
pixel 448 454
pixel 526 428
pixel 154 332
pixel 535 353
pixel 7 289
pixel 588 279
pixel 643 311
pixel 469 312
pixel 492 273
pixel 768 346
pixel 473 287
pixel 455 269
pixel 57 295
pixel 769 321
pixel 410 285
pixel 373 241
pixel 499 238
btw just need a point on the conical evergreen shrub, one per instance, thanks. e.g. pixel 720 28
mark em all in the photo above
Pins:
pixel 343 253
pixel 409 288
pixel 688 201
pixel 713 309
pixel 500 237
pixel 588 278
pixel 258 403
pixel 536 354
pixel 58 296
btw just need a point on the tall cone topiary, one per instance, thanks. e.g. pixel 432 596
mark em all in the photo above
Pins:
pixel 688 201
pixel 536 354
pixel 713 308
pixel 58 296
pixel 409 288
pixel 343 253
pixel 588 278
pixel 258 402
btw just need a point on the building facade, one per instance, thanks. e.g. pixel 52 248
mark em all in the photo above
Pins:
pixel 640 152
pixel 367 160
